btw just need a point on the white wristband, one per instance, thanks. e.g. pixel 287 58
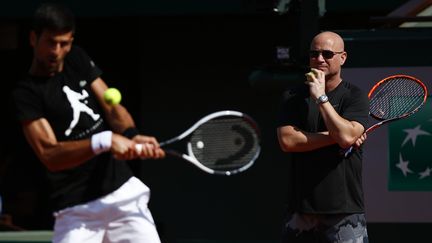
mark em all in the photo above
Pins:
pixel 101 142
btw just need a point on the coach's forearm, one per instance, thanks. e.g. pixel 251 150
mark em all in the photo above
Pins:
pixel 344 132
pixel 292 139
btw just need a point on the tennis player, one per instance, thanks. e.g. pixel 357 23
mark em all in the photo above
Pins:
pixel 82 140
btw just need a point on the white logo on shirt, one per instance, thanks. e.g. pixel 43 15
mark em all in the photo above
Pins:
pixel 82 83
pixel 78 107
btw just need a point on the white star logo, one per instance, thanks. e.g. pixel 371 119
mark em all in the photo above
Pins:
pixel 425 173
pixel 412 134
pixel 403 166
pixel 410 146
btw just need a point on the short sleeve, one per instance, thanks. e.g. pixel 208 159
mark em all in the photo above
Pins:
pixel 357 107
pixel 80 60
pixel 27 104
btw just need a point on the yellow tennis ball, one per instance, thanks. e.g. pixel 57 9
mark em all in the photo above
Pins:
pixel 112 96
pixel 309 76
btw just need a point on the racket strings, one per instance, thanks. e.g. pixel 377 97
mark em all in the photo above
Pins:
pixel 396 97
pixel 225 143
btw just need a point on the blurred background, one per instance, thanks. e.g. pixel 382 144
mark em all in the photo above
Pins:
pixel 178 60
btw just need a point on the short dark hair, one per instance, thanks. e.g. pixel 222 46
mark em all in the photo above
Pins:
pixel 53 17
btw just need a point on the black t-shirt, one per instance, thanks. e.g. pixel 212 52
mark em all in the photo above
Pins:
pixel 323 181
pixel 68 103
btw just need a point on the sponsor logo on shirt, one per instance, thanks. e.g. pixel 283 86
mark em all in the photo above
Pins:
pixel 78 102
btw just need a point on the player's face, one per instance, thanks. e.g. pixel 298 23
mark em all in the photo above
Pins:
pixel 327 55
pixel 50 50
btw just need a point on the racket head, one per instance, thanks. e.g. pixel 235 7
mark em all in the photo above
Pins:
pixel 396 96
pixel 224 143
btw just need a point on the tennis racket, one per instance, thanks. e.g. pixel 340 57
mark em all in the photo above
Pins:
pixel 221 143
pixel 393 98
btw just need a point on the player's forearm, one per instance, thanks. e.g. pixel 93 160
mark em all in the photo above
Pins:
pixel 341 130
pixel 54 154
pixel 119 119
pixel 116 115
pixel 292 139
pixel 64 155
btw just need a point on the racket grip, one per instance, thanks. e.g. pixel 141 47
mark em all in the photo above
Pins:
pixel 347 152
pixel 138 147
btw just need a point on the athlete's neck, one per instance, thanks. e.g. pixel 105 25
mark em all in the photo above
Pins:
pixel 38 69
pixel 332 83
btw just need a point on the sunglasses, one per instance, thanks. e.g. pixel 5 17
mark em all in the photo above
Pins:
pixel 327 54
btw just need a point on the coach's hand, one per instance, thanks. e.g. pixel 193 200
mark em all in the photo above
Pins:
pixel 360 140
pixel 316 82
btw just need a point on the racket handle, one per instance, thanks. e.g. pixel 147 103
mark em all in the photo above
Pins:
pixel 347 152
pixel 138 147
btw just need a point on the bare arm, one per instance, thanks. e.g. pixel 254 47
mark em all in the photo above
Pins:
pixel 120 119
pixel 344 132
pixel 42 139
pixel 292 139
pixel 117 116
pixel 58 156
pixel 61 155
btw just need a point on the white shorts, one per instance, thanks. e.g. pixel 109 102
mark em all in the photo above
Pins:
pixel 121 216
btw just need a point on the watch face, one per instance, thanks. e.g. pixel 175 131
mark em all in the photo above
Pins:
pixel 322 99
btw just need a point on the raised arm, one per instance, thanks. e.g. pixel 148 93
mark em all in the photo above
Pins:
pixel 344 132
pixel 120 120
pixel 117 116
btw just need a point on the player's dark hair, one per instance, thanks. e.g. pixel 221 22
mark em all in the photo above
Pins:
pixel 53 17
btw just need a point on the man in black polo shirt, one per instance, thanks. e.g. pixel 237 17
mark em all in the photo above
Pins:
pixel 316 121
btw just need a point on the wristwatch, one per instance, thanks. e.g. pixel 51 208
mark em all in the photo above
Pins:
pixel 322 99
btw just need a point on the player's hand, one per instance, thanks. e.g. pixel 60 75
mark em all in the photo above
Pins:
pixel 122 148
pixel 360 140
pixel 147 147
pixel 316 82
